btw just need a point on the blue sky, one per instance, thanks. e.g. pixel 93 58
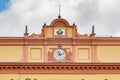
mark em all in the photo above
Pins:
pixel 3 5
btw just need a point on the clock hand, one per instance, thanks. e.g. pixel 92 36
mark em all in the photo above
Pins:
pixel 59 53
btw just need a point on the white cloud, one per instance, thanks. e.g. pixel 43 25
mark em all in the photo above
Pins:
pixel 104 14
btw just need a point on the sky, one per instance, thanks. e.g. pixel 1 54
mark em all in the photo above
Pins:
pixel 3 5
pixel 103 14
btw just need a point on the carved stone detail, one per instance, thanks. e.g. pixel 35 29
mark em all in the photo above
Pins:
pixel 51 56
pixel 112 68
pixel 69 56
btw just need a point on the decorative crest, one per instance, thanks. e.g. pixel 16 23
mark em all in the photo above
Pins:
pixel 59 32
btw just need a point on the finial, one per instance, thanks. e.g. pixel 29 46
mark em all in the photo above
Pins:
pixel 44 23
pixel 59 11
pixel 26 30
pixel 73 24
pixel 93 30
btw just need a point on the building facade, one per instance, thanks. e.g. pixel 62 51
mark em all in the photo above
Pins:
pixel 59 53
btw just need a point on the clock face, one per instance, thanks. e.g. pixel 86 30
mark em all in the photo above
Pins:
pixel 59 54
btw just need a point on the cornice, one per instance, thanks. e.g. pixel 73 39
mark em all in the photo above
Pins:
pixel 11 41
pixel 60 68
pixel 106 41
pixel 62 41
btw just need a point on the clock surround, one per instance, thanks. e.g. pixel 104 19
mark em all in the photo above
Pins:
pixel 67 56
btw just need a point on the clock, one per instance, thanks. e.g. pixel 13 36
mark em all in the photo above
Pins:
pixel 59 54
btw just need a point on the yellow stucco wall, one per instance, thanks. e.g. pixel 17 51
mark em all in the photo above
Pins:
pixel 15 53
pixel 60 76
pixel 35 54
pixel 56 47
pixel 83 54
pixel 49 32
pixel 69 32
pixel 11 53
pixel 108 53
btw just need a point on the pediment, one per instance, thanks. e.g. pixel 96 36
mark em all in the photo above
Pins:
pixel 60 22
